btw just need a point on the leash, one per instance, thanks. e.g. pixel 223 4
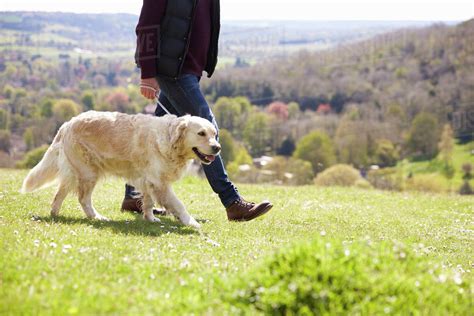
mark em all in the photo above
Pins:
pixel 157 95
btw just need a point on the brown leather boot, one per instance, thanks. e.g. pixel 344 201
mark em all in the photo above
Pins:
pixel 131 204
pixel 243 211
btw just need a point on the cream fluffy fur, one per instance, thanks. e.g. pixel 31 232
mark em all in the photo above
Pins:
pixel 149 152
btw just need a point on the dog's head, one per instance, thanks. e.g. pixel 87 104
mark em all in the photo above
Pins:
pixel 195 137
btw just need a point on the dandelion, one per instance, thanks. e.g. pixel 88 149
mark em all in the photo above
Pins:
pixel 322 233
pixel 442 278
pixel 457 279
pixel 347 252
pixel 185 264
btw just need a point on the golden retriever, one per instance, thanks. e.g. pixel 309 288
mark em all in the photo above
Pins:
pixel 149 152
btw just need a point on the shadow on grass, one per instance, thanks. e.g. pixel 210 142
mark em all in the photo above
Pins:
pixel 137 227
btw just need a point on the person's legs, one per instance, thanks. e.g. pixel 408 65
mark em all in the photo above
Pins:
pixel 181 97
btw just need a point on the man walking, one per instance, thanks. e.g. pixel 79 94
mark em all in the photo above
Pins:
pixel 177 40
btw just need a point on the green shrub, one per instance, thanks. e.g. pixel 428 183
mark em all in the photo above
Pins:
pixel 32 157
pixel 339 175
pixel 301 170
pixel 287 171
pixel 426 183
pixel 333 278
pixel 386 179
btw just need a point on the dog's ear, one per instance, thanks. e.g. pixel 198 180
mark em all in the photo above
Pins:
pixel 177 131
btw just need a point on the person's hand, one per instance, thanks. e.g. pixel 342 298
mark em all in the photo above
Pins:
pixel 149 87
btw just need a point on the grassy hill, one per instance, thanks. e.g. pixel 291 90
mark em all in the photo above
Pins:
pixel 322 250
pixel 462 154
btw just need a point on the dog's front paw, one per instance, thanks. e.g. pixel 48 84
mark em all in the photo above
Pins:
pixel 101 218
pixel 151 219
pixel 192 222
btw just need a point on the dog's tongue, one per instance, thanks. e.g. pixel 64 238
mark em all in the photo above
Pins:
pixel 211 158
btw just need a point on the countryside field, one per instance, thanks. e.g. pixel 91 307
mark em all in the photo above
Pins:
pixel 320 250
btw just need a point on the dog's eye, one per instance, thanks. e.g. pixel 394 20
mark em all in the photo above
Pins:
pixel 202 134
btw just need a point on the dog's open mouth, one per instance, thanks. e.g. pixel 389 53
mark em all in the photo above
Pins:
pixel 206 159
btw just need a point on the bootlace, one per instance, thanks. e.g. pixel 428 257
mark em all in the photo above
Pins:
pixel 244 203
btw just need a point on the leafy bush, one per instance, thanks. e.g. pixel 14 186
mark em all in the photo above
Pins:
pixel 426 183
pixel 338 279
pixel 301 170
pixel 340 175
pixel 32 157
pixel 386 179
pixel 287 171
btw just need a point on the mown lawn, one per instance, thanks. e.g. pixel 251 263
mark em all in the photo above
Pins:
pixel 342 250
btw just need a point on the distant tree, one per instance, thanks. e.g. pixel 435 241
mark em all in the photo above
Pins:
pixel 28 138
pixel 228 146
pixel 227 112
pixel 446 148
pixel 8 91
pixel 46 108
pixel 257 133
pixel 4 119
pixel 279 110
pixel 5 142
pixel 120 101
pixel 65 109
pixel 287 147
pixel 423 136
pixel 88 101
pixel 466 188
pixel 338 101
pixel 386 154
pixel 318 149
pixel 351 140
pixel 293 110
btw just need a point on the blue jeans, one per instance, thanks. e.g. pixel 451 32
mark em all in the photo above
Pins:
pixel 181 97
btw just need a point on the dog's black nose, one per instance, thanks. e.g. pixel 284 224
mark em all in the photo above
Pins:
pixel 216 148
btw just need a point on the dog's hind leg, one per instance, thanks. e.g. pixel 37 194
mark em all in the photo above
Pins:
pixel 85 188
pixel 61 194
pixel 147 208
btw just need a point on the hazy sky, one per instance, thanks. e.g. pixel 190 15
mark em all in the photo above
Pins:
pixel 279 9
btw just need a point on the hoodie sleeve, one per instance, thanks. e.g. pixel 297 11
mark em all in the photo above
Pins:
pixel 148 36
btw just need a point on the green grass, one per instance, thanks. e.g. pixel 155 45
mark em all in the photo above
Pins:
pixel 340 250
pixel 461 155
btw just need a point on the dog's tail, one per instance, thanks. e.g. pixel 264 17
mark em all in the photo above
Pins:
pixel 46 171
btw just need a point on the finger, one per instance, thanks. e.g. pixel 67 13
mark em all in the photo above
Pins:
pixel 151 95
